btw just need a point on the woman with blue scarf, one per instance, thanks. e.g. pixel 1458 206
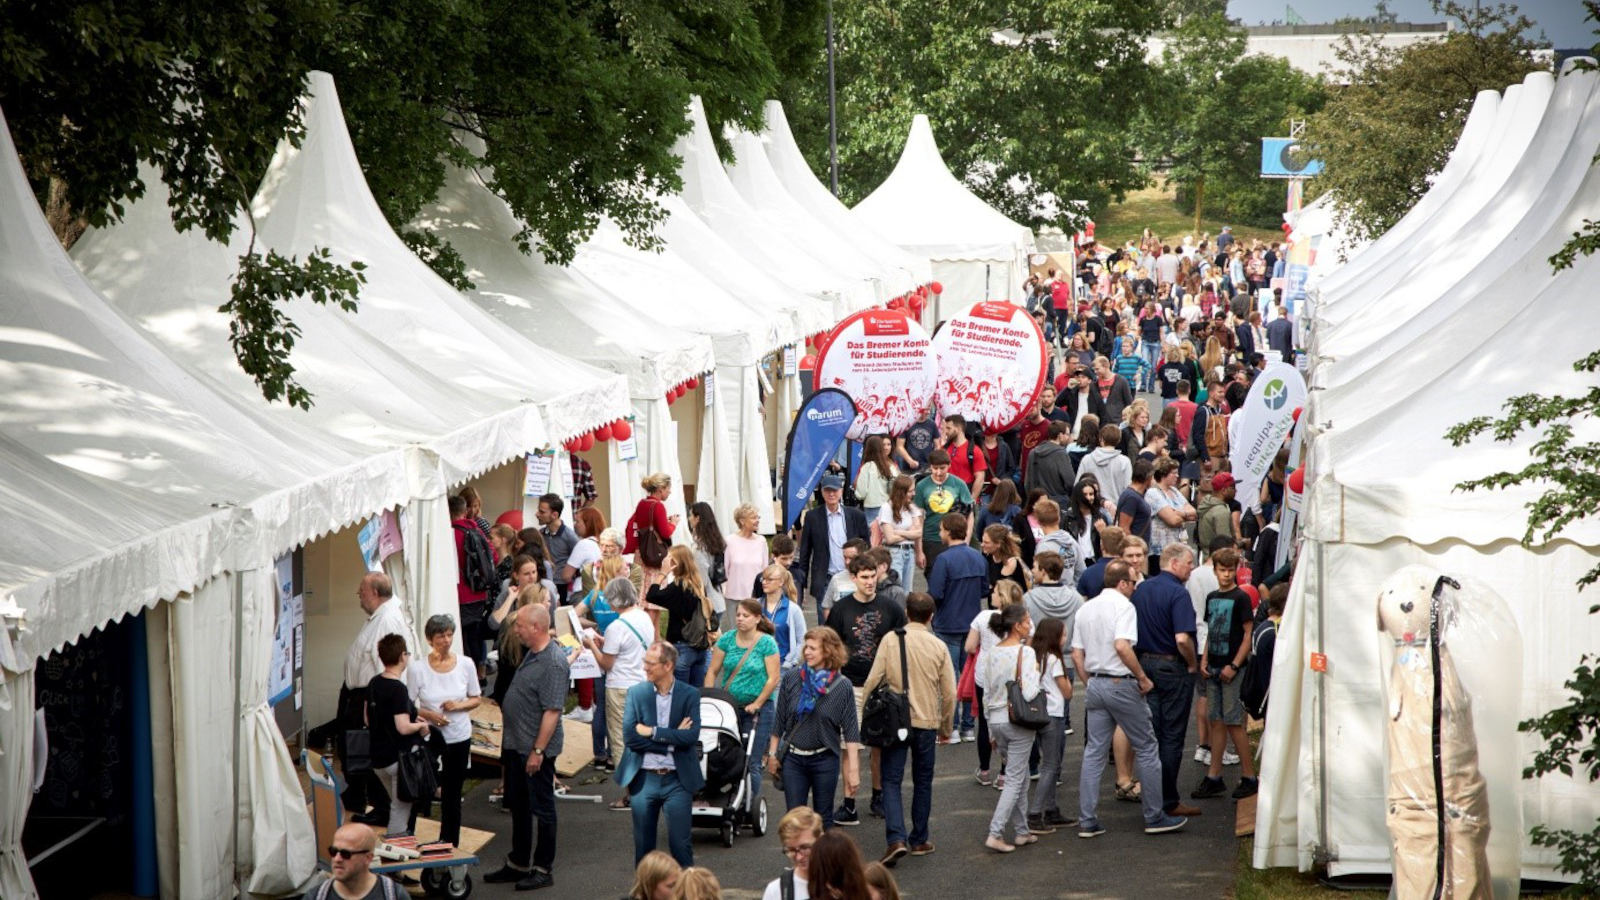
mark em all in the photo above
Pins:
pixel 816 727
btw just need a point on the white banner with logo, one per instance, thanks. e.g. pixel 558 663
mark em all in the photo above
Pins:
pixel 883 360
pixel 1256 431
pixel 991 365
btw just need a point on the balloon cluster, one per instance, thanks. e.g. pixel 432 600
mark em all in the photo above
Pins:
pixel 914 302
pixel 681 388
pixel 620 429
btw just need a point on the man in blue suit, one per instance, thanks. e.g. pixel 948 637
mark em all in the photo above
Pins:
pixel 661 764
pixel 825 531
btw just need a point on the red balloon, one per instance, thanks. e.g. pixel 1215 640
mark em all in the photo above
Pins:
pixel 922 290
pixel 1297 411
pixel 679 391
pixel 936 287
pixel 1297 480
pixel 693 383
pixel 622 430
pixel 809 361
pixel 917 303
pixel 603 433
pixel 897 303
pixel 571 445
pixel 586 443
pixel 512 517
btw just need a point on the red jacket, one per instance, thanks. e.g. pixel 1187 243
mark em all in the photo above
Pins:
pixel 464 594
pixel 649 512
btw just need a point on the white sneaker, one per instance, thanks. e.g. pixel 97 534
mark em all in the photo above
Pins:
pixel 1202 755
pixel 579 714
pixel 1229 758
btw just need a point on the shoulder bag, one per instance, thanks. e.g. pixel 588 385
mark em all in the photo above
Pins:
pixel 415 779
pixel 886 715
pixel 652 548
pixel 697 631
pixel 1024 713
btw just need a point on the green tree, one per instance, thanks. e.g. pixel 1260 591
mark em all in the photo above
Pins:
pixel 1392 125
pixel 1570 470
pixel 1038 91
pixel 1215 105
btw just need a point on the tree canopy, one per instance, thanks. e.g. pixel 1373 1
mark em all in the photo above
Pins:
pixel 1391 127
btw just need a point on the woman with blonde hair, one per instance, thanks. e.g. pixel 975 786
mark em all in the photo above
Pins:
pixel 816 723
pixel 651 515
pixel 1135 428
pixel 655 877
pixel 979 641
pixel 746 555
pixel 1211 360
pixel 780 604
pixel 697 883
pixel 691 623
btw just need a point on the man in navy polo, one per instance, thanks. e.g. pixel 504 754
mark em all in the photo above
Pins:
pixel 1166 651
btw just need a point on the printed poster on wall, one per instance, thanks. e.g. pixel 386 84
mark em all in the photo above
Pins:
pixel 539 469
pixel 881 358
pixel 991 365
pixel 280 677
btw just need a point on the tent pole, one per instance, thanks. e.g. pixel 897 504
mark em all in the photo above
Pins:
pixel 833 118
pixel 238 690
pixel 1321 719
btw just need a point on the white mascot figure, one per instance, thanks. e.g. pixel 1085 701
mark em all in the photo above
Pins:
pixel 1436 790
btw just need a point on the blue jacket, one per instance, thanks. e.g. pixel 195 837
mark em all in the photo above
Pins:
pixel 958 583
pixel 682 743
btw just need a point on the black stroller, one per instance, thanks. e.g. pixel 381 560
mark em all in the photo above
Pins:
pixel 725 803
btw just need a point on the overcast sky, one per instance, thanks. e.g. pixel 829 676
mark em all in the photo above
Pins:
pixel 1562 20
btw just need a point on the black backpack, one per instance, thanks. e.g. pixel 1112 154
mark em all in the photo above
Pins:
pixel 477 570
pixel 1255 679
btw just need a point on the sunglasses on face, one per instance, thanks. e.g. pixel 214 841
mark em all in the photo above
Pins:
pixel 343 853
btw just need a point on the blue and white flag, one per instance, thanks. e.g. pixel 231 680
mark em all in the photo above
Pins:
pixel 818 430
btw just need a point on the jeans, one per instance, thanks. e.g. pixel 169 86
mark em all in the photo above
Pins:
pixel 985 732
pixel 1013 743
pixel 1151 351
pixel 658 794
pixel 1049 746
pixel 957 645
pixel 1111 702
pixel 692 662
pixel 763 724
pixel 597 725
pixel 399 810
pixel 1170 703
pixel 903 560
pixel 1063 320
pixel 811 781
pixel 530 798
pixel 921 749
pixel 456 758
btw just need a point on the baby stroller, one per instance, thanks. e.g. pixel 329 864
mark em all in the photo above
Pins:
pixel 725 803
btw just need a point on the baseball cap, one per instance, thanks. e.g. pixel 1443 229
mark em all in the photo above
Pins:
pixel 833 482
pixel 1222 481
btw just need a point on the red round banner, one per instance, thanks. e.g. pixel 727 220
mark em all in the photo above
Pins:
pixel 883 360
pixel 991 365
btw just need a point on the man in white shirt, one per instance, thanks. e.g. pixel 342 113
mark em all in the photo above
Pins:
pixel 1115 684
pixel 385 616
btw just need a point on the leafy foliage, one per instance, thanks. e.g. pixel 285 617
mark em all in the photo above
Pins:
pixel 1215 104
pixel 261 334
pixel 1037 91
pixel 1393 124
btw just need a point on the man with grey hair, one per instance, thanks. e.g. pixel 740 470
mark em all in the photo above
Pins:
pixel 385 615
pixel 1166 651
pixel 531 743
pixel 661 765
pixel 621 654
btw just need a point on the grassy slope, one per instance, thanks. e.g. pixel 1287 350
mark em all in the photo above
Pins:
pixel 1154 207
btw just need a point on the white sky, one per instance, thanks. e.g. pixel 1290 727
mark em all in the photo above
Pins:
pixel 1562 20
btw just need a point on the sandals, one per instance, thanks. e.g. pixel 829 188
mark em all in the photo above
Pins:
pixel 1133 793
pixel 621 804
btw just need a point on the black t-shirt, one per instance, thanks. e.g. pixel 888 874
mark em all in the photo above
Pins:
pixel 919 441
pixel 1150 329
pixel 1226 614
pixel 1132 503
pixel 1168 374
pixel 862 626
pixel 387 698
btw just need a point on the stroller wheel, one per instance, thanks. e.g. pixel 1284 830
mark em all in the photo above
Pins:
pixel 758 822
pixel 727 834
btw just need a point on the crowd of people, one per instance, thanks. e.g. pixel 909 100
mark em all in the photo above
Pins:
pixel 1097 553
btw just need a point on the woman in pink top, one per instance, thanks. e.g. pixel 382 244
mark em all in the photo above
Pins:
pixel 746 555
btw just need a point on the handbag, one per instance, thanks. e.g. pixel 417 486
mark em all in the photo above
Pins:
pixel 415 780
pixel 967 685
pixel 697 631
pixel 652 549
pixel 886 715
pixel 1024 713
pixel 357 756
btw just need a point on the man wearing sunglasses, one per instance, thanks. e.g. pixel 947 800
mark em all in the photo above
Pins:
pixel 351 856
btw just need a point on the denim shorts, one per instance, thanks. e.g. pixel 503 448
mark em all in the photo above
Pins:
pixel 1223 699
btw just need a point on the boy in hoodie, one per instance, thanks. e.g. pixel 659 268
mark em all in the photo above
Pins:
pixel 1108 464
pixel 1215 519
pixel 1051 599
pixel 889 586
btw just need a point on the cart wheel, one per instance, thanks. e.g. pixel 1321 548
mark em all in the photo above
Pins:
pixel 434 880
pixel 758 822
pixel 458 891
pixel 727 834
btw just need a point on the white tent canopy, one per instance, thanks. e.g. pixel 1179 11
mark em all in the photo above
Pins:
pixel 977 253
pixel 315 195
pixel 905 271
pixel 1381 494
pixel 753 237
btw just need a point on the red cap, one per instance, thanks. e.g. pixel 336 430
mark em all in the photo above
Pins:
pixel 1222 481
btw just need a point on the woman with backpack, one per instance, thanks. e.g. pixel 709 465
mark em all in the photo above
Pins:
pixel 691 624
pixel 710 554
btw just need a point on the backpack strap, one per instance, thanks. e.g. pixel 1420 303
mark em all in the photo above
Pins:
pixel 786 885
